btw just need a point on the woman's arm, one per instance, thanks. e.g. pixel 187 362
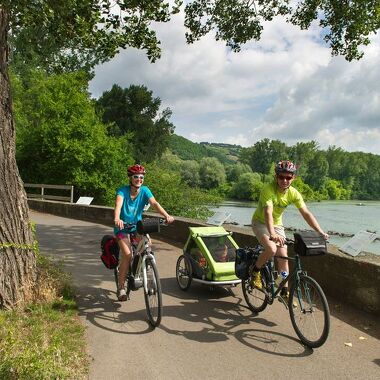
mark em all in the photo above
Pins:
pixel 161 210
pixel 118 203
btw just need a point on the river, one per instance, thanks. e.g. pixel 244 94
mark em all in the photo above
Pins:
pixel 344 217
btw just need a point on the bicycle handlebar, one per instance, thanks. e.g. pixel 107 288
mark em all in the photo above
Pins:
pixel 287 241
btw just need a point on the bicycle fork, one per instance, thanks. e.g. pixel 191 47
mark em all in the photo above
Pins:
pixel 147 257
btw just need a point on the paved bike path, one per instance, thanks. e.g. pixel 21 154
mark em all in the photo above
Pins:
pixel 205 333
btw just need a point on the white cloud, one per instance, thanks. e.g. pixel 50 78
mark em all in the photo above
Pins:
pixel 286 86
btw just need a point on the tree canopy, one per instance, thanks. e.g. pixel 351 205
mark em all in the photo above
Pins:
pixel 135 110
pixel 67 35
pixel 61 140
pixel 346 25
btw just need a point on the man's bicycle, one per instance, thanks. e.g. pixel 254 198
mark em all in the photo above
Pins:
pixel 308 307
pixel 143 271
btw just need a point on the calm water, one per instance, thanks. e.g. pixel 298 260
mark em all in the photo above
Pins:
pixel 346 217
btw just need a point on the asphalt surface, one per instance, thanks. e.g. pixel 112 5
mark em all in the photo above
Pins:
pixel 205 333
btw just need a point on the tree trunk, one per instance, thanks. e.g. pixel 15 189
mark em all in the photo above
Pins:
pixel 17 259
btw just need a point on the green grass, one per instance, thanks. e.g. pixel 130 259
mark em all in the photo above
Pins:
pixel 45 340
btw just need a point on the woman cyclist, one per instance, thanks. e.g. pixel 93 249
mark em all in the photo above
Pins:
pixel 267 219
pixel 129 206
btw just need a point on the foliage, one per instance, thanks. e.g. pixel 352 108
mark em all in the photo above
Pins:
pixel 61 140
pixel 248 187
pixel 346 25
pixel 176 197
pixel 212 173
pixel 190 173
pixel 261 156
pixel 335 190
pixel 235 171
pixel 135 110
pixel 318 169
pixel 67 35
pixel 307 192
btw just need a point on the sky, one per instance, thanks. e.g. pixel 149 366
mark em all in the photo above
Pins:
pixel 287 86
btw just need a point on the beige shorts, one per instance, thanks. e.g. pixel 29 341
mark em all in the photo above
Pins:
pixel 260 229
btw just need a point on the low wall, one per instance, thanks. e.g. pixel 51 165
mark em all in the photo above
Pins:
pixel 354 280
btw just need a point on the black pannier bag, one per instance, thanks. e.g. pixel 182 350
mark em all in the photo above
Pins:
pixel 244 258
pixel 110 251
pixel 309 243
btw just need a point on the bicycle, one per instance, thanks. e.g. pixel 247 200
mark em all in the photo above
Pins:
pixel 307 305
pixel 143 272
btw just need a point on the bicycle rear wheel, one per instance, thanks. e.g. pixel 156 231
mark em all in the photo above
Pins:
pixel 153 294
pixel 311 315
pixel 256 299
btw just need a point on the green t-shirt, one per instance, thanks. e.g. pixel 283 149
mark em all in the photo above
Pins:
pixel 271 196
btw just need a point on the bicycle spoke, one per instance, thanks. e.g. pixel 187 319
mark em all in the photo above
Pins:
pixel 311 317
pixel 256 299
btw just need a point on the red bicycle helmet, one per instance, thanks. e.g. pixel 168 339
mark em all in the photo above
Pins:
pixel 285 167
pixel 136 169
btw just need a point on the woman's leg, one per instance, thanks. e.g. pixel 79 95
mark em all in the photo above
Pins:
pixel 125 259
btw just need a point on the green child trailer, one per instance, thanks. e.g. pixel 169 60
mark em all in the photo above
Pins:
pixel 208 258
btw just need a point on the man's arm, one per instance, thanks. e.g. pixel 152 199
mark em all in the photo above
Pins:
pixel 312 221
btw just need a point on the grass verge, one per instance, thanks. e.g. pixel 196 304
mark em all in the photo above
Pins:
pixel 46 340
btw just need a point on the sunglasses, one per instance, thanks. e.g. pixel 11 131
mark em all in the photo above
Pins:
pixel 138 177
pixel 283 177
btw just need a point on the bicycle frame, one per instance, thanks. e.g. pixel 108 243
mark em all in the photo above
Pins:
pixel 143 251
pixel 294 274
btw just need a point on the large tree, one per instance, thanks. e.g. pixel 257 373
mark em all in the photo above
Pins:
pixel 135 110
pixel 61 140
pixel 57 35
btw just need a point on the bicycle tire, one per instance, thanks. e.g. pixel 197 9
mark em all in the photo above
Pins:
pixel 183 273
pixel 311 316
pixel 256 299
pixel 153 295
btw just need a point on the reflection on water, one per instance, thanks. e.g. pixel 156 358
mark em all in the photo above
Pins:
pixel 347 217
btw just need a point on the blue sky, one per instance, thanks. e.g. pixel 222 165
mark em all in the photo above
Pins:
pixel 286 86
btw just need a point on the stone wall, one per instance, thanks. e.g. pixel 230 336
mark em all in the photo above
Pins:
pixel 354 280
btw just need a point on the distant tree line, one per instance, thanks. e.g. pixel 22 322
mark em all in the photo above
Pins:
pixel 322 174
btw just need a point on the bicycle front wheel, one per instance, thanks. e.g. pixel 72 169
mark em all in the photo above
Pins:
pixel 310 314
pixel 256 298
pixel 153 294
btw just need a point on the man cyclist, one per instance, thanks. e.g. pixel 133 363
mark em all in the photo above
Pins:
pixel 267 220
pixel 129 206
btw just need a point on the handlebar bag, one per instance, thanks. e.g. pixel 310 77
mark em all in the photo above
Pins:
pixel 309 243
pixel 110 251
pixel 148 226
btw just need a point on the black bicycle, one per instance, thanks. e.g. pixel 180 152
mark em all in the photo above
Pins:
pixel 308 307
pixel 143 272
